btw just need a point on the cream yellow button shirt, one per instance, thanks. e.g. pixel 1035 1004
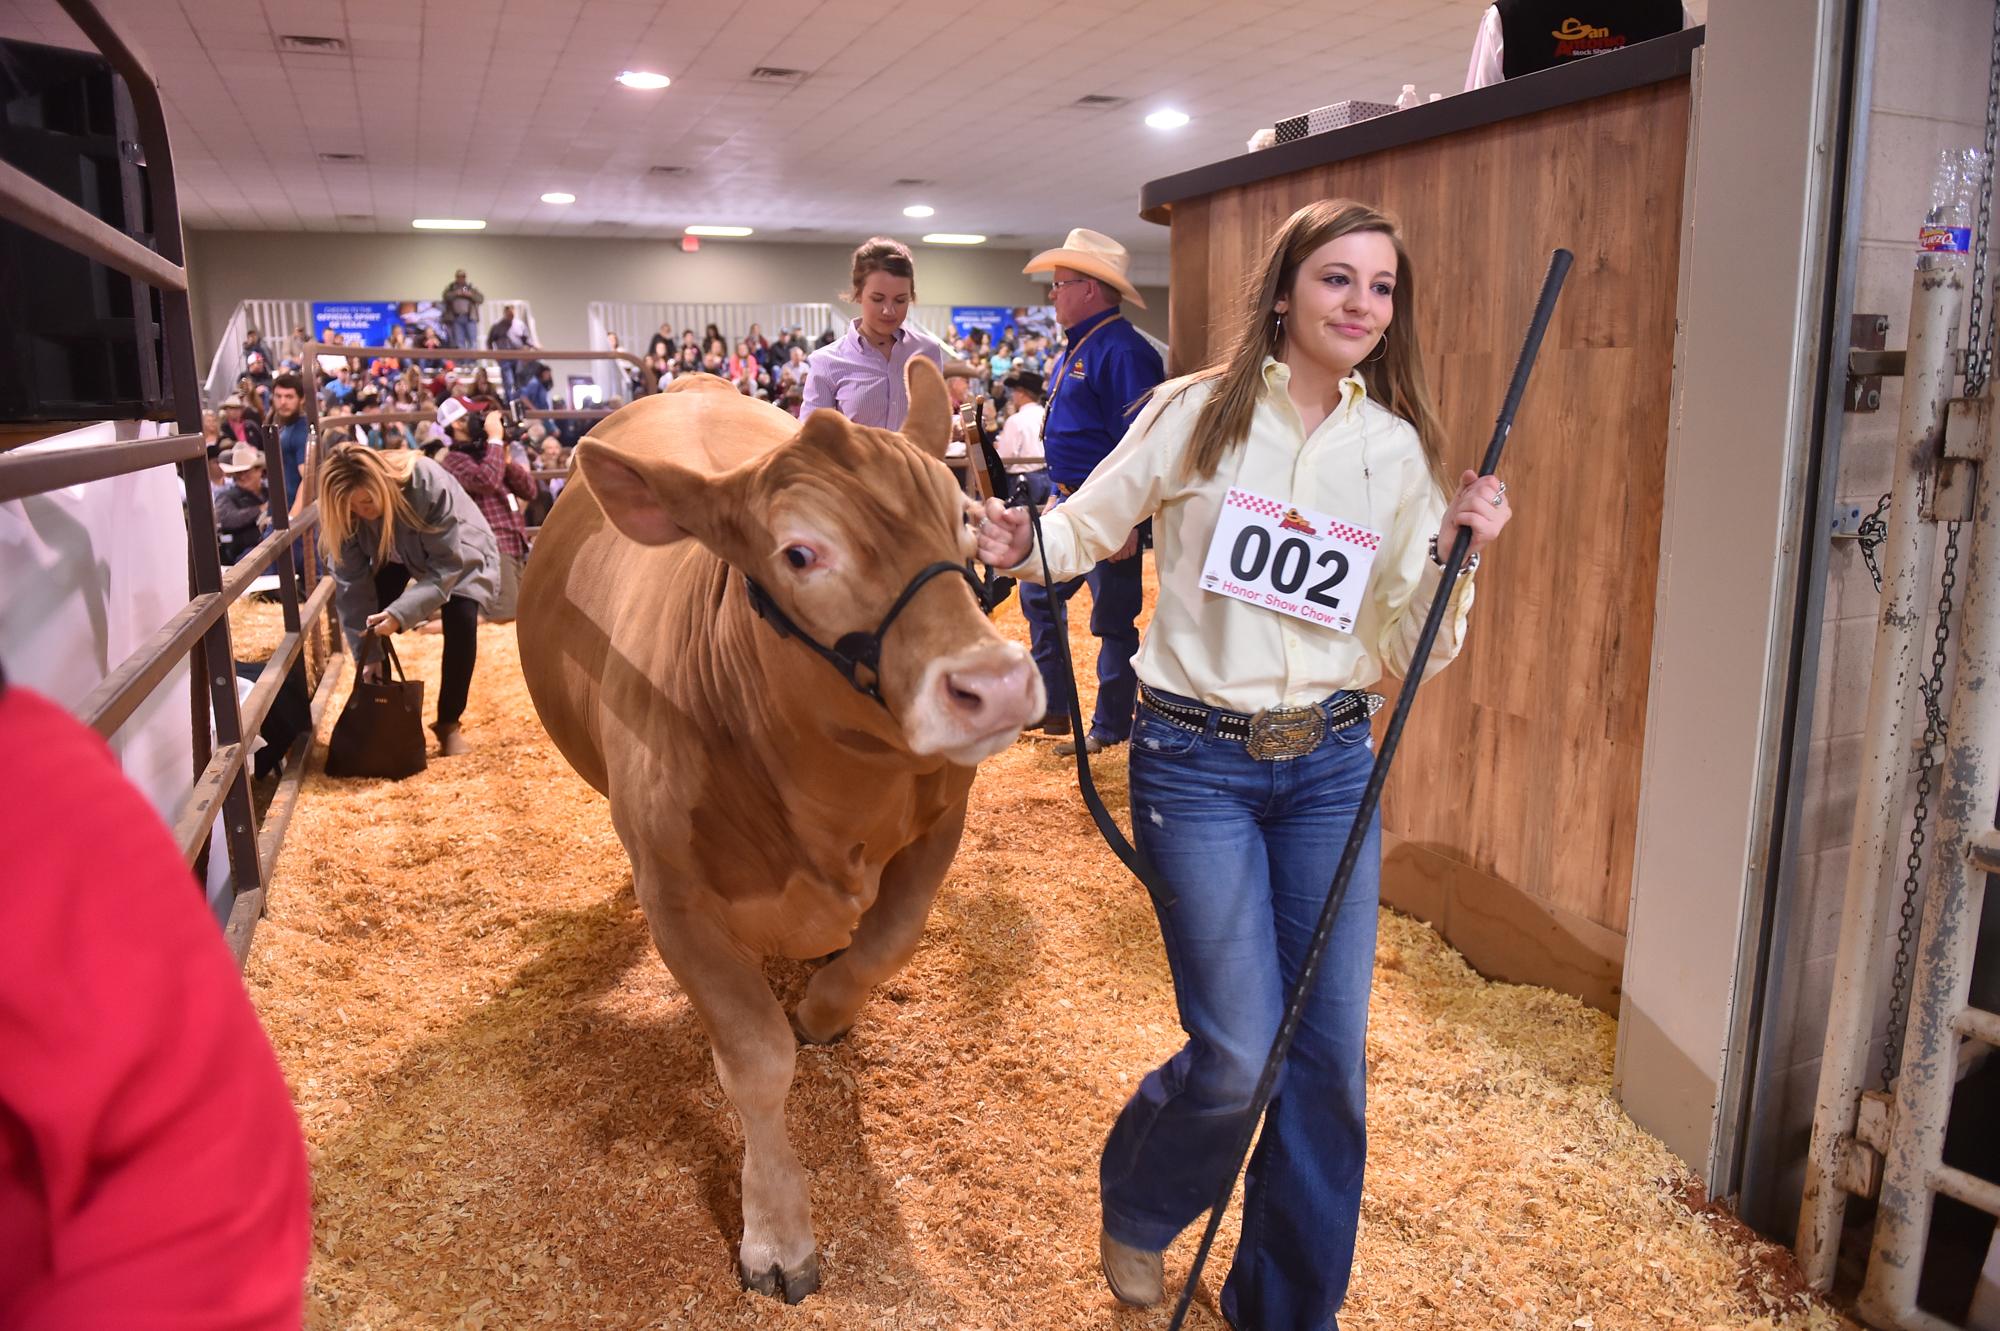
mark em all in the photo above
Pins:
pixel 1363 465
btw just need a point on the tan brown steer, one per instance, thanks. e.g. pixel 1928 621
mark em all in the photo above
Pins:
pixel 768 807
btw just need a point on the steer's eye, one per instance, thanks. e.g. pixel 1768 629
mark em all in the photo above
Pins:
pixel 800 557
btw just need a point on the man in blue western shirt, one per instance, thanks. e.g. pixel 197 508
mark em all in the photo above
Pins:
pixel 1095 389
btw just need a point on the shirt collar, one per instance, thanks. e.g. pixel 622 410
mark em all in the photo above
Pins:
pixel 1076 330
pixel 854 332
pixel 1353 391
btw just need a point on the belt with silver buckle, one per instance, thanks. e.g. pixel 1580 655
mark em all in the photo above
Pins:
pixel 1274 734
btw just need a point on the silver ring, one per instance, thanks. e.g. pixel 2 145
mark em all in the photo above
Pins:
pixel 1499 496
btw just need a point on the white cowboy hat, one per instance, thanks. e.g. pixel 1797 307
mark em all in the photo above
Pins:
pixel 1093 254
pixel 242 458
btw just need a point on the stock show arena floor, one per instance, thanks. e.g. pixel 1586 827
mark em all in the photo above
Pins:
pixel 514 1122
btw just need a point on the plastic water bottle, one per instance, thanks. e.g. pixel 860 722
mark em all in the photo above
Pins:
pixel 1945 238
pixel 1407 98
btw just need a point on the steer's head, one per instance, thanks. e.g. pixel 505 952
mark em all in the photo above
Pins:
pixel 833 520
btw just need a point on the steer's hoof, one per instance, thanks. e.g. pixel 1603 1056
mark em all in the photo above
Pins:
pixel 807 1037
pixel 791 1286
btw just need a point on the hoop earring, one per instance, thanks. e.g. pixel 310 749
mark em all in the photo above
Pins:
pixel 1382 349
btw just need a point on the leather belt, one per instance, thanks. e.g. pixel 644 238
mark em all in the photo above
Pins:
pixel 1274 734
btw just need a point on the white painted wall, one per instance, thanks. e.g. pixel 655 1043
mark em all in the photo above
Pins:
pixel 1741 421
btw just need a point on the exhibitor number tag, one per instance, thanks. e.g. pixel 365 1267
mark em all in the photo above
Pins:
pixel 1299 563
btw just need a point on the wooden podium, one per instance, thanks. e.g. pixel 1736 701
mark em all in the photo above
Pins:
pixel 1510 820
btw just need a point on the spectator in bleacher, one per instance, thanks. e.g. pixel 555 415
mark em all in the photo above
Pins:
pixel 213 442
pixel 508 333
pixel 710 337
pixel 792 374
pixel 461 311
pixel 430 341
pixel 480 389
pixel 747 371
pixel 551 458
pixel 477 459
pixel 1020 440
pixel 407 542
pixel 862 374
pixel 340 388
pixel 689 362
pixel 288 419
pixel 241 514
pixel 662 343
pixel 257 364
pixel 715 362
pixel 368 399
pixel 238 426
pixel 1001 363
pixel 537 384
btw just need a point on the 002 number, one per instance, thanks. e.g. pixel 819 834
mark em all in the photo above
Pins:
pixel 1288 570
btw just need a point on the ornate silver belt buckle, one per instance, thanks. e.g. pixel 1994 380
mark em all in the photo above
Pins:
pixel 1280 733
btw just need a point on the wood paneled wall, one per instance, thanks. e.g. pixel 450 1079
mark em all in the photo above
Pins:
pixel 1513 807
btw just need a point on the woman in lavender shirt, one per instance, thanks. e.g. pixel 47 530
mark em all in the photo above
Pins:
pixel 861 375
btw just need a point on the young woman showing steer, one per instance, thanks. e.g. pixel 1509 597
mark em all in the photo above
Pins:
pixel 1296 488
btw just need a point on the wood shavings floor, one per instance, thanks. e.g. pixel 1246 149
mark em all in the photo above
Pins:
pixel 514 1120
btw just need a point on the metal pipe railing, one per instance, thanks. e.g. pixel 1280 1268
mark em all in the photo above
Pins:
pixel 1905 555
pixel 199 631
pixel 1913 1167
pixel 29 473
pixel 41 210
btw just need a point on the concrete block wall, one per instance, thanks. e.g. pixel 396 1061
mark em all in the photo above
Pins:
pixel 1929 93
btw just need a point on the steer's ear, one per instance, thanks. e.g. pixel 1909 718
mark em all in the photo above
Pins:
pixel 654 501
pixel 929 423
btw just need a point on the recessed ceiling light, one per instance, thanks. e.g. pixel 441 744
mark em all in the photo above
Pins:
pixel 918 210
pixel 448 224
pixel 557 196
pixel 716 230
pixel 1167 119
pixel 952 238
pixel 644 80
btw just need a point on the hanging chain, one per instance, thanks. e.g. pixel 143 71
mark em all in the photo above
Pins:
pixel 1979 336
pixel 1934 733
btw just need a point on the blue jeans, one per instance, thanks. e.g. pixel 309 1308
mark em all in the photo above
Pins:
pixel 1244 852
pixel 462 333
pixel 1117 594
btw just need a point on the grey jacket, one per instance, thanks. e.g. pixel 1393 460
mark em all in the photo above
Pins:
pixel 455 557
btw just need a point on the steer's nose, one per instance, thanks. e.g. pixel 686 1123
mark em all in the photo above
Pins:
pixel 992 695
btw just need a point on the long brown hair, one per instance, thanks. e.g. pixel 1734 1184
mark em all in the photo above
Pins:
pixel 354 469
pixel 1396 380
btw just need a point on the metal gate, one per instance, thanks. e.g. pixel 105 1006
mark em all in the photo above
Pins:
pixel 199 632
pixel 1888 1142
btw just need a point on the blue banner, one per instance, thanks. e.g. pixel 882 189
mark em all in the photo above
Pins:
pixel 363 322
pixel 996 321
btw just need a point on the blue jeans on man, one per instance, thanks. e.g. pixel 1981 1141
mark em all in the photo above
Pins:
pixel 462 333
pixel 1116 596
pixel 1244 852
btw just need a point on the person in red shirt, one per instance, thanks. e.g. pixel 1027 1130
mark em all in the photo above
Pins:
pixel 152 1172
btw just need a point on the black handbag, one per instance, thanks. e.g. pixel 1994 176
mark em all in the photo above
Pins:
pixel 381 729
